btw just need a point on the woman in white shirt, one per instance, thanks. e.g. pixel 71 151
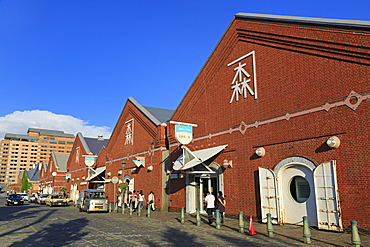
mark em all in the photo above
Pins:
pixel 141 199
pixel 151 200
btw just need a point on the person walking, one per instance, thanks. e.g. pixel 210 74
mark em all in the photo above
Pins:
pixel 210 201
pixel 221 205
pixel 141 200
pixel 133 200
pixel 151 200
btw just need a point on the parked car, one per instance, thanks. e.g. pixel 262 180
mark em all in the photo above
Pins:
pixel 33 197
pixel 14 199
pixel 41 198
pixel 91 200
pixel 56 200
pixel 24 196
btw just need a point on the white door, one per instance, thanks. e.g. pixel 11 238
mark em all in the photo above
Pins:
pixel 327 200
pixel 296 187
pixel 71 193
pixel 269 201
pixel 131 185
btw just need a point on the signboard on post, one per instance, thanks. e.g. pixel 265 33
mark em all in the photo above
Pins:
pixel 90 160
pixel 114 179
pixel 184 134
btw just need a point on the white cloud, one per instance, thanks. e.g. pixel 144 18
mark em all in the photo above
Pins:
pixel 18 122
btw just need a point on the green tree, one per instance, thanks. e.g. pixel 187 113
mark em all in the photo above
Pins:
pixel 26 185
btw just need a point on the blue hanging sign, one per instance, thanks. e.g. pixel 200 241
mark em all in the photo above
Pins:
pixel 184 134
pixel 90 160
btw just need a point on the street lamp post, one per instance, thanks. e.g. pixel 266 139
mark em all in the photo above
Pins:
pixel 122 192
pixel 53 174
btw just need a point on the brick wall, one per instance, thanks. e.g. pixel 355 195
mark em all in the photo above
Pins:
pixel 299 69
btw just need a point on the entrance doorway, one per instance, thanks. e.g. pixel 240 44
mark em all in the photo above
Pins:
pixel 298 194
pixel 297 188
pixel 198 184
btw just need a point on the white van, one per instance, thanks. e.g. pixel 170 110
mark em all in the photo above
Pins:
pixel 91 200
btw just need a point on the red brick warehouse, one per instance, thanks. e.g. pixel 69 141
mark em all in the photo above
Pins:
pixel 289 97
pixel 280 124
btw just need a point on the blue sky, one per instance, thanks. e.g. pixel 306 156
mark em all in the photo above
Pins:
pixel 71 65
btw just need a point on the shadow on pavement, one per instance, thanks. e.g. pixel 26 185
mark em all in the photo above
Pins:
pixel 57 234
pixel 176 237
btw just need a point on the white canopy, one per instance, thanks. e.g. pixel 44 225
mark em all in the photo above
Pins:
pixel 96 172
pixel 190 159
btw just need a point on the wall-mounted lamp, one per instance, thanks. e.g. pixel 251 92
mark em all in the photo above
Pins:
pixel 150 168
pixel 227 164
pixel 260 152
pixel 333 142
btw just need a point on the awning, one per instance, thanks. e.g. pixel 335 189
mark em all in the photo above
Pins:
pixel 190 159
pixel 96 172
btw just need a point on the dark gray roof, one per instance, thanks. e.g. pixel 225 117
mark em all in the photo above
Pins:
pixel 163 115
pixel 45 132
pixel 33 174
pixel 156 115
pixel 306 19
pixel 92 145
pixel 95 144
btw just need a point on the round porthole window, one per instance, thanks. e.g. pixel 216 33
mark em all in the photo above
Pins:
pixel 299 189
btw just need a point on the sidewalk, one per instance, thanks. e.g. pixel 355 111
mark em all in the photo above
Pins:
pixel 293 234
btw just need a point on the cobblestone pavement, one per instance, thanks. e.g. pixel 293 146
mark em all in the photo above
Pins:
pixel 35 225
pixel 292 234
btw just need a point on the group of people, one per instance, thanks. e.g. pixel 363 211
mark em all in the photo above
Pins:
pixel 212 204
pixel 137 200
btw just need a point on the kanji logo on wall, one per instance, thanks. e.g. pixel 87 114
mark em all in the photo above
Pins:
pixel 129 132
pixel 77 158
pixel 245 81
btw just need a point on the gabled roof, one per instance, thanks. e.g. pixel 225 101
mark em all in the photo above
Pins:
pixel 60 161
pixel 96 144
pixel 92 145
pixel 156 115
pixel 33 174
pixel 311 20
pixel 44 166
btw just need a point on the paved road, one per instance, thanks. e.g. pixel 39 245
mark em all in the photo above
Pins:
pixel 36 225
